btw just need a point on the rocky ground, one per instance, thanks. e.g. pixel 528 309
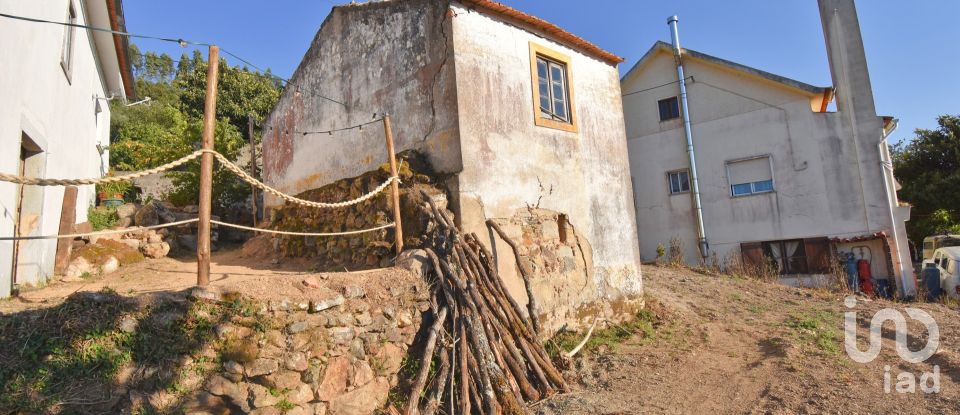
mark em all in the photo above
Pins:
pixel 726 345
pixel 704 344
pixel 140 340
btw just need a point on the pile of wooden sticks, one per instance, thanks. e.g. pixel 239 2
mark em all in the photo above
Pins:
pixel 488 358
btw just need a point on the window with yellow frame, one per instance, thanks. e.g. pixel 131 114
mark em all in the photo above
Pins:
pixel 552 89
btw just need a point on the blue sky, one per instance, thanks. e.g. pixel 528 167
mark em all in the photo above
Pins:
pixel 913 47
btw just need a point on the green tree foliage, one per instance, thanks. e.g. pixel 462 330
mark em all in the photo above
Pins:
pixel 928 168
pixel 239 92
pixel 171 125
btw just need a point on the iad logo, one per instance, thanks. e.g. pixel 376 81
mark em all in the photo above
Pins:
pixel 906 381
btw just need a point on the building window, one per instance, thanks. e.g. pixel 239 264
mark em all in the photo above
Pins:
pixel 787 257
pixel 791 256
pixel 552 89
pixel 66 55
pixel 750 176
pixel 679 181
pixel 669 108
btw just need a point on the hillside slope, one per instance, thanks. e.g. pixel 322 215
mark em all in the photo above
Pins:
pixel 728 345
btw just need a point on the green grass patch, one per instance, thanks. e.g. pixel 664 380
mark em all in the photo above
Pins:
pixel 818 329
pixel 644 324
pixel 65 359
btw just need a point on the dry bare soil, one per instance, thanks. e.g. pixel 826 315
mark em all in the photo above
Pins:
pixel 728 345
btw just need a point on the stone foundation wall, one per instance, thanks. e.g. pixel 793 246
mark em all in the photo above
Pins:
pixel 336 355
pixel 561 260
pixel 361 251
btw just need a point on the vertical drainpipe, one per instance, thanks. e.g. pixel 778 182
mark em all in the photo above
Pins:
pixel 687 131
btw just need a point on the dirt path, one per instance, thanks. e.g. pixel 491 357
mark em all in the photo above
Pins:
pixel 230 269
pixel 736 346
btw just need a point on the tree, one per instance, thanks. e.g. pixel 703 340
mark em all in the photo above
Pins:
pixel 928 169
pixel 171 125
pixel 239 92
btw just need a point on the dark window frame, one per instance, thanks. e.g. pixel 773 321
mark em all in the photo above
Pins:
pixel 669 108
pixel 678 173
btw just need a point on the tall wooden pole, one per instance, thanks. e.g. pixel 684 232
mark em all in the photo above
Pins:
pixel 395 186
pixel 253 166
pixel 206 168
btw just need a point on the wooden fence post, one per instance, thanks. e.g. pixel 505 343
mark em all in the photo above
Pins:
pixel 395 186
pixel 206 168
pixel 253 166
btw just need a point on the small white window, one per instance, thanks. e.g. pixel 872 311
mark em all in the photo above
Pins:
pixel 750 176
pixel 679 181
pixel 66 55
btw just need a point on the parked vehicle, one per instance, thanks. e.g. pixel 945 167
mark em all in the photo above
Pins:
pixel 932 243
pixel 947 261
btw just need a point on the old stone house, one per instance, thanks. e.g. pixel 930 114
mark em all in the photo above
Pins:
pixel 781 176
pixel 521 117
pixel 54 122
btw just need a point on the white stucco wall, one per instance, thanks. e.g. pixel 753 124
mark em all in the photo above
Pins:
pixel 59 114
pixel 510 164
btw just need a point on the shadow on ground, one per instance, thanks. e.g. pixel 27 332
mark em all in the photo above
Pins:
pixel 104 353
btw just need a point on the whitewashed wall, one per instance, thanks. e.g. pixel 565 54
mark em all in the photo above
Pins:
pixel 60 114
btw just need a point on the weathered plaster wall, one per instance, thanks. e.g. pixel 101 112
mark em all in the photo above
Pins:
pixel 511 164
pixel 58 113
pixel 392 57
pixel 815 162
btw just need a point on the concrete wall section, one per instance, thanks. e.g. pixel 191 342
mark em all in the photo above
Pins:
pixel 58 112
pixel 511 164
pixel 393 57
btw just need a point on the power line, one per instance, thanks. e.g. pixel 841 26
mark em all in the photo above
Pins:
pixel 690 78
pixel 334 130
pixel 180 41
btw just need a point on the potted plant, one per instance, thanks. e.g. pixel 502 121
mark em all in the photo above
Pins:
pixel 111 193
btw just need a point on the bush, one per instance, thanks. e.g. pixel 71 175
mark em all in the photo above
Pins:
pixel 103 217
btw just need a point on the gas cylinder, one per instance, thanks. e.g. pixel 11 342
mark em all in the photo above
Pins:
pixel 866 277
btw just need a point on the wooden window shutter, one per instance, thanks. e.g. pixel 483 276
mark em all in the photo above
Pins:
pixel 818 255
pixel 752 253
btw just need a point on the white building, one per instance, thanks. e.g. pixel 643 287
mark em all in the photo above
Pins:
pixel 780 176
pixel 54 120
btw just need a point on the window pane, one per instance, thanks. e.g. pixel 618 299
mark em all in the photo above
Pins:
pixel 544 95
pixel 560 108
pixel 674 179
pixel 763 186
pixel 684 181
pixel 541 68
pixel 556 72
pixel 741 189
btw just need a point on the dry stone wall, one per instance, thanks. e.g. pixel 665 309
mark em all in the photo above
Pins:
pixel 361 251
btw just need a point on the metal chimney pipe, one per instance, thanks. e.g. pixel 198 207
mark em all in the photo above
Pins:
pixel 688 132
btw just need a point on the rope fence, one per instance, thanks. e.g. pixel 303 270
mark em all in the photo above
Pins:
pixel 271 231
pixel 229 165
pixel 98 233
pixel 100 180
pixel 322 205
